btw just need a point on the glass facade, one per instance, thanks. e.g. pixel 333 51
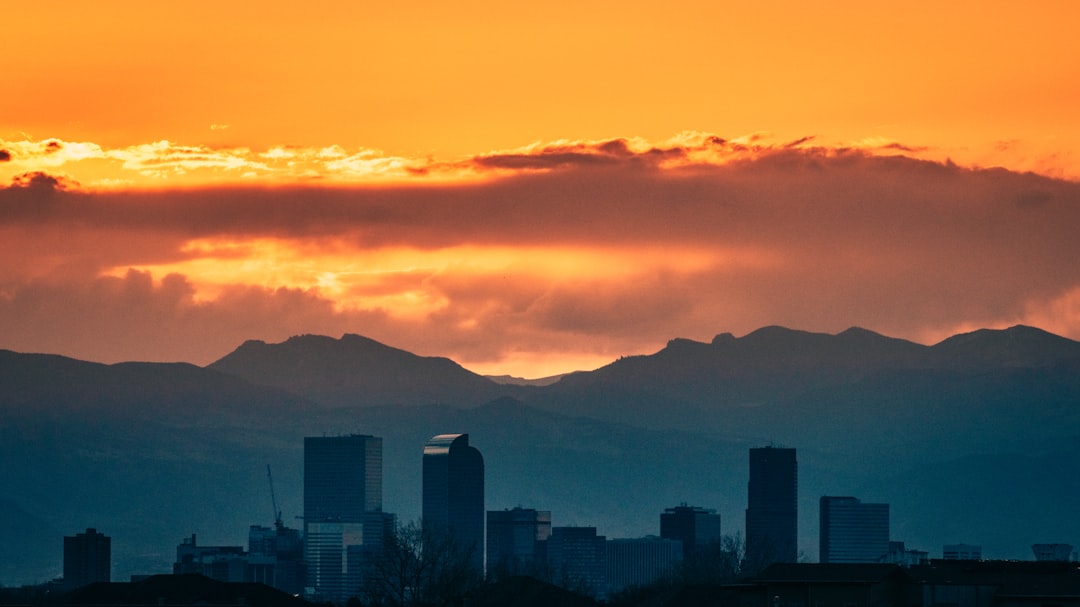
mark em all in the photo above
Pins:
pixel 343 520
pixel 453 496
pixel 853 532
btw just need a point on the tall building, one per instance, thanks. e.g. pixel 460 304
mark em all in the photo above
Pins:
pixel 343 518
pixel 516 541
pixel 577 559
pixel 87 558
pixel 694 527
pixel 772 507
pixel 453 500
pixel 852 531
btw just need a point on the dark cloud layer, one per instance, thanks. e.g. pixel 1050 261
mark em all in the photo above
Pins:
pixel 812 238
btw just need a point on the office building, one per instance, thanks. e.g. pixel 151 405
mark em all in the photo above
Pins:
pixel 694 527
pixel 516 541
pixel 577 560
pixel 222 563
pixel 772 507
pixel 276 558
pixel 639 562
pixel 1053 552
pixel 342 477
pixel 852 531
pixel 343 519
pixel 453 493
pixel 901 555
pixel 961 552
pixel 87 558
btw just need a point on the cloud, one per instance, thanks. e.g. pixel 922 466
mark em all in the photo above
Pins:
pixel 5 156
pixel 39 182
pixel 114 319
pixel 584 250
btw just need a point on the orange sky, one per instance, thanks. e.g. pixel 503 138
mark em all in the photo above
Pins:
pixel 140 99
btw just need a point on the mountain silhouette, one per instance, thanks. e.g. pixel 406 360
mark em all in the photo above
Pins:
pixel 970 440
pixel 354 371
pixel 762 378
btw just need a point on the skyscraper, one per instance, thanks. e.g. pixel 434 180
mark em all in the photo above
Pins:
pixel 87 558
pixel 691 525
pixel 772 507
pixel 453 501
pixel 852 532
pixel 342 477
pixel 343 519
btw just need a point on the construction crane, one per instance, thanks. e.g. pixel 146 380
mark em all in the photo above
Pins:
pixel 273 499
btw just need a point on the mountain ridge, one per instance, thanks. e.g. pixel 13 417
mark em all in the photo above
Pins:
pixel 356 370
pixel 91 445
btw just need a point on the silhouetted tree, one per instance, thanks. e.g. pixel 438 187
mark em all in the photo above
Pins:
pixel 419 568
pixel 713 562
pixel 710 563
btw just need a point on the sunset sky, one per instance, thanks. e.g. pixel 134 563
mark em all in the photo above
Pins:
pixel 532 188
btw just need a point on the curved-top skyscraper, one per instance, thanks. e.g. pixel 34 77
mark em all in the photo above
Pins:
pixel 454 492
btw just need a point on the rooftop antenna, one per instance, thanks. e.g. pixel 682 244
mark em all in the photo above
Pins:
pixel 273 499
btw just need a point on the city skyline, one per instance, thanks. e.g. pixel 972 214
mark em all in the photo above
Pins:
pixel 176 180
pixel 867 449
pixel 850 530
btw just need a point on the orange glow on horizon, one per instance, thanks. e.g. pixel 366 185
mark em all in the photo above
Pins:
pixel 417 82
pixel 399 280
pixel 455 145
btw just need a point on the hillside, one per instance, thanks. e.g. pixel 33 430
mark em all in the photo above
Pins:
pixel 357 371
pixel 970 440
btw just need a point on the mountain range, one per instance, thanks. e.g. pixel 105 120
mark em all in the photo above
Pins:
pixel 969 440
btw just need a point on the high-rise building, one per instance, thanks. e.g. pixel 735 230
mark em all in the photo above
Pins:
pixel 453 500
pixel 343 518
pixel 342 477
pixel 577 559
pixel 87 558
pixel 515 541
pixel 772 507
pixel 694 527
pixel 852 531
